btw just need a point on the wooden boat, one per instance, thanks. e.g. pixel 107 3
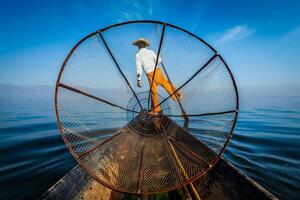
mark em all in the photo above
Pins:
pixel 222 182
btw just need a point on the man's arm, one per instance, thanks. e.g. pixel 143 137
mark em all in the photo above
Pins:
pixel 139 70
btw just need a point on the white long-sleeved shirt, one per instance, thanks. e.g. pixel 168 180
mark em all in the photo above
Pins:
pixel 145 61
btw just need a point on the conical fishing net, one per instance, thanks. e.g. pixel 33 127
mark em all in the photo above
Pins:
pixel 109 124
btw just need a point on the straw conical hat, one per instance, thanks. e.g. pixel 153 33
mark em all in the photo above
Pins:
pixel 139 40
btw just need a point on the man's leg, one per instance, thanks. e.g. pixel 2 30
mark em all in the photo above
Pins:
pixel 169 87
pixel 154 94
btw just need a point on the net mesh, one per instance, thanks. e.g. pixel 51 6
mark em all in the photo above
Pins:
pixel 110 130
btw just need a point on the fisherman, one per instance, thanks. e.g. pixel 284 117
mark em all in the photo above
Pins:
pixel 145 61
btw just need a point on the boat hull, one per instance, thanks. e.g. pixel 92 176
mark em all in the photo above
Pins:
pixel 222 182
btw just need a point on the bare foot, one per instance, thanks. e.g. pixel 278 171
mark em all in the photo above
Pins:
pixel 179 95
pixel 153 113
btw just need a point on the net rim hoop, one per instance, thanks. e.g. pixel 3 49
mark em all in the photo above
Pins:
pixel 197 176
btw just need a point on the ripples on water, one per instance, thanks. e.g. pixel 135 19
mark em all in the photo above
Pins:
pixel 265 146
pixel 33 156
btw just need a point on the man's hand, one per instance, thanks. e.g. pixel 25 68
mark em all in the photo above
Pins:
pixel 139 83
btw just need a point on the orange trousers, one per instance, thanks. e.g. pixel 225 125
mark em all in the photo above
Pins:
pixel 159 80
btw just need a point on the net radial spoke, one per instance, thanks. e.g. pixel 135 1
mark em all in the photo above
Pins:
pixel 92 96
pixel 117 65
pixel 175 158
pixel 156 62
pixel 140 171
pixel 203 114
pixel 186 119
pixel 181 146
pixel 100 144
pixel 77 135
pixel 191 78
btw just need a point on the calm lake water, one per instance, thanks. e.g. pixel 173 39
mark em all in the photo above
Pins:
pixel 265 146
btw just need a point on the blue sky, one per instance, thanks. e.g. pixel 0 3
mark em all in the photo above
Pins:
pixel 260 40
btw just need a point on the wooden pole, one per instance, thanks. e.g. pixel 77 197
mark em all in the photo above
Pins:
pixel 195 193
